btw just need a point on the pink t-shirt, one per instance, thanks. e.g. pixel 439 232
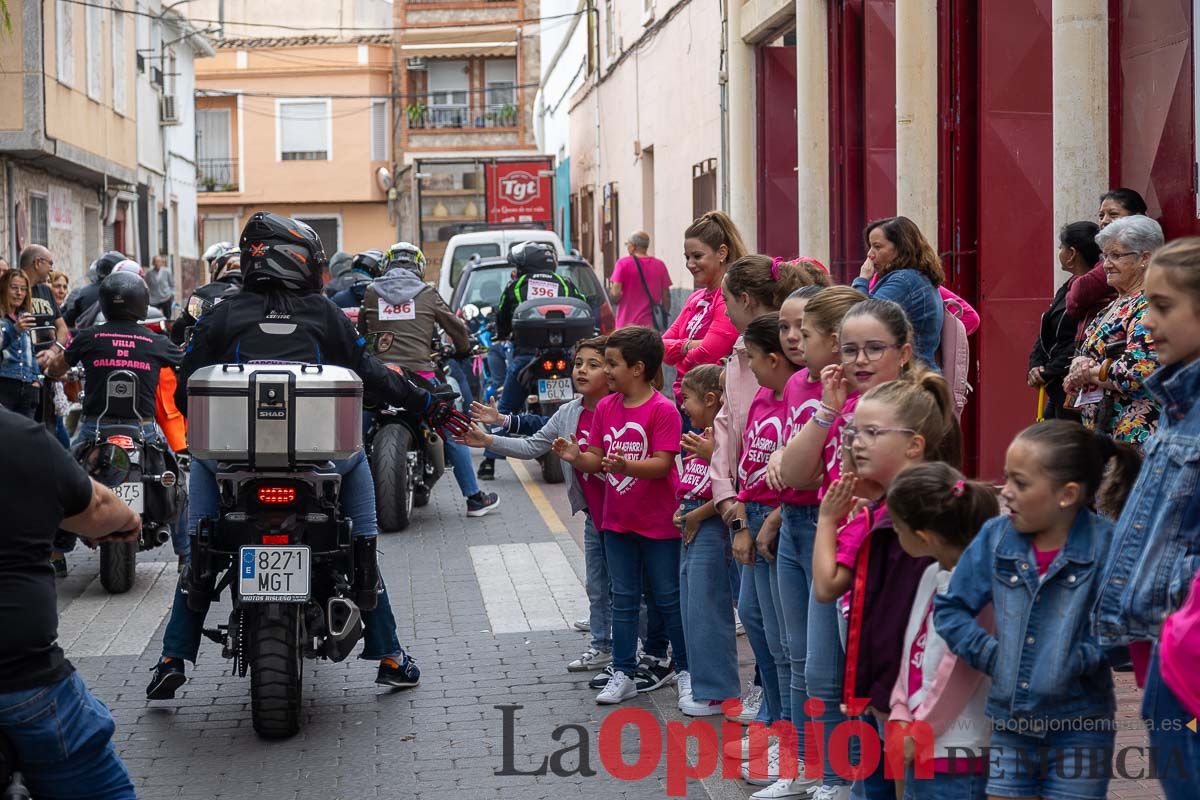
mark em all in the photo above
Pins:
pixel 634 505
pixel 763 435
pixel 803 399
pixel 694 481
pixel 1179 651
pixel 833 443
pixel 850 538
pixel 1045 558
pixel 634 308
pixel 592 486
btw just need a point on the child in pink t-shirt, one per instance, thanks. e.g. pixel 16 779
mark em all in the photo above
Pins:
pixel 634 441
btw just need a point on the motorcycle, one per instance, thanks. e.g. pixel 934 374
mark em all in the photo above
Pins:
pixel 298 580
pixel 144 474
pixel 407 456
pixel 481 323
pixel 550 327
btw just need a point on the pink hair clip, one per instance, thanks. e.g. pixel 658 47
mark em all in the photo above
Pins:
pixel 959 488
pixel 775 262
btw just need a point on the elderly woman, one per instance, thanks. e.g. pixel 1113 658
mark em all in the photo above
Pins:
pixel 60 287
pixel 1091 294
pixel 1117 354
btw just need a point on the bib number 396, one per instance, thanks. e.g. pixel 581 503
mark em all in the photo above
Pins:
pixel 389 312
pixel 542 289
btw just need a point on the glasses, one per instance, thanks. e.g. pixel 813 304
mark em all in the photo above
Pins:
pixel 874 351
pixel 1116 256
pixel 869 434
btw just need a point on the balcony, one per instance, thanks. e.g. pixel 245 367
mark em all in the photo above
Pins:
pixel 217 175
pixel 460 117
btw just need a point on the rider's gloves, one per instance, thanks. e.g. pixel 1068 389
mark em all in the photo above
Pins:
pixel 442 414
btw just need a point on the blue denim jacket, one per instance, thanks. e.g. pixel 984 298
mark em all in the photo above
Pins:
pixel 1156 543
pixel 921 301
pixel 16 353
pixel 1044 660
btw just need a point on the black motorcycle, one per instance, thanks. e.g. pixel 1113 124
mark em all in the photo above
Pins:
pixel 279 544
pixel 144 474
pixel 550 327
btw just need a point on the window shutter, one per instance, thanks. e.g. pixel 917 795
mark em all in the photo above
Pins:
pixel 379 130
pixel 64 27
pixel 303 129
pixel 95 60
pixel 118 57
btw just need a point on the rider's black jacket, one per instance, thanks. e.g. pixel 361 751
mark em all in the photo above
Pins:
pixel 526 285
pixel 311 330
pixel 80 301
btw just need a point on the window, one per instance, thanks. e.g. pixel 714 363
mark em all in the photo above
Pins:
pixel 218 229
pixel 379 130
pixel 327 229
pixel 95 59
pixel 39 219
pixel 118 57
pixel 303 129
pixel 91 230
pixel 64 31
pixel 448 90
pixel 610 28
pixel 216 168
pixel 500 77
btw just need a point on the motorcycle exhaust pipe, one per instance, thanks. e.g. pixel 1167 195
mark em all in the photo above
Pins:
pixel 342 618
pixel 162 535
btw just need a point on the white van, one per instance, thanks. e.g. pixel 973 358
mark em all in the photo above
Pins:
pixel 485 244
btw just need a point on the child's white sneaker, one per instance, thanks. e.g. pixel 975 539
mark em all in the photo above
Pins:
pixel 618 689
pixel 590 660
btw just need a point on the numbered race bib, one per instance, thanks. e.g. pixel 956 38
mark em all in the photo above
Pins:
pixel 390 313
pixel 543 289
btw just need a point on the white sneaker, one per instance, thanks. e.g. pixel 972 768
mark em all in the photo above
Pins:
pixel 592 659
pixel 583 625
pixel 764 769
pixel 738 628
pixel 788 787
pixel 699 708
pixel 683 685
pixel 752 701
pixel 741 749
pixel 832 793
pixel 618 689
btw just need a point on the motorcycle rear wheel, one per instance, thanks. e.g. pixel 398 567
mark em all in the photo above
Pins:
pixel 276 669
pixel 552 469
pixel 393 483
pixel 118 566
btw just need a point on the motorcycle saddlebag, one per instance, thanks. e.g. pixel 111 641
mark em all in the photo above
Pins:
pixel 551 322
pixel 274 415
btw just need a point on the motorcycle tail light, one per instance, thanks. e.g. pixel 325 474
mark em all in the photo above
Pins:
pixel 275 538
pixel 561 365
pixel 276 495
pixel 547 365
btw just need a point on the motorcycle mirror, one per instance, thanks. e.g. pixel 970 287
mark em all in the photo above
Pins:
pixel 109 464
pixel 43 335
pixel 470 311
pixel 380 342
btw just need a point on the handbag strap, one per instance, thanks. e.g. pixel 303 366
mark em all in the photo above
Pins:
pixel 642 275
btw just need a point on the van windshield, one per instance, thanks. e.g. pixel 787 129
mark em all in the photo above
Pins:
pixel 463 253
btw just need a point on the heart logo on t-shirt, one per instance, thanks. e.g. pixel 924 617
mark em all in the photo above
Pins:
pixel 622 483
pixel 794 416
pixel 760 426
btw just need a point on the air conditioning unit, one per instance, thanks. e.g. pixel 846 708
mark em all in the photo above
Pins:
pixel 416 64
pixel 168 114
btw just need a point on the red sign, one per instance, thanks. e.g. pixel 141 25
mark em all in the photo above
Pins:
pixel 516 192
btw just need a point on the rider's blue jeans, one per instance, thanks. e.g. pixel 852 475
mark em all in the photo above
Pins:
pixel 62 736
pixel 185 627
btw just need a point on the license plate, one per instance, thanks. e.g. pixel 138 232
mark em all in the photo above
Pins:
pixel 274 574
pixel 558 389
pixel 131 495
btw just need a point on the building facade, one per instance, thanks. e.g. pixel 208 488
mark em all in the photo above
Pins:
pixel 301 126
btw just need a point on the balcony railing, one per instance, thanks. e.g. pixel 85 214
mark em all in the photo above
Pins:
pixel 421 117
pixel 217 175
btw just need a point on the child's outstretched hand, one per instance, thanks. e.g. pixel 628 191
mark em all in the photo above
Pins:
pixel 697 445
pixel 839 500
pixel 567 450
pixel 834 386
pixel 614 465
pixel 486 415
pixel 474 437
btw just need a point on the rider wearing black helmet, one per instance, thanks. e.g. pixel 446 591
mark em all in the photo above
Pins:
pixel 534 275
pixel 281 315
pixel 85 297
pixel 366 267
pixel 226 271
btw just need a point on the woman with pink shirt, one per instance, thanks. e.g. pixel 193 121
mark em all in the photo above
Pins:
pixel 702 333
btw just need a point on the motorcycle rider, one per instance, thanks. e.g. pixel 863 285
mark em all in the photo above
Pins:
pixel 534 275
pixel 364 268
pixel 401 303
pixel 226 272
pixel 85 297
pixel 339 273
pixel 282 265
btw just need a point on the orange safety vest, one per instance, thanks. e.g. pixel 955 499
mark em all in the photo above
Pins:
pixel 170 419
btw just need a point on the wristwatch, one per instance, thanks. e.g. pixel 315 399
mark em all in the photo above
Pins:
pixel 738 525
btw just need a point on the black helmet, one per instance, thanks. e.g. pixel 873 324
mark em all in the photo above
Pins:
pixel 106 262
pixel 124 296
pixel 283 252
pixel 339 263
pixel 533 257
pixel 369 262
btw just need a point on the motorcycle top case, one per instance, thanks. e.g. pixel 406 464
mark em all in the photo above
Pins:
pixel 548 322
pixel 274 415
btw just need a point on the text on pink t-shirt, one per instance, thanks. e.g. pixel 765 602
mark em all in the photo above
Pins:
pixel 638 505
pixel 592 486
pixel 694 481
pixel 762 436
pixel 634 308
pixel 802 397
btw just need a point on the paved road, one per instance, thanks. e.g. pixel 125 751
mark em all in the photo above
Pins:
pixel 483 604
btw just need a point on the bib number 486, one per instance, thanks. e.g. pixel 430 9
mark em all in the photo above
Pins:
pixel 390 312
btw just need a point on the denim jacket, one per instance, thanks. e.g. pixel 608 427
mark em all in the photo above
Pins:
pixel 1156 547
pixel 16 353
pixel 912 291
pixel 1044 661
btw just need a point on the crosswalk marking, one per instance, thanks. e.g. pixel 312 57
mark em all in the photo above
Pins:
pixel 528 587
pixel 101 624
